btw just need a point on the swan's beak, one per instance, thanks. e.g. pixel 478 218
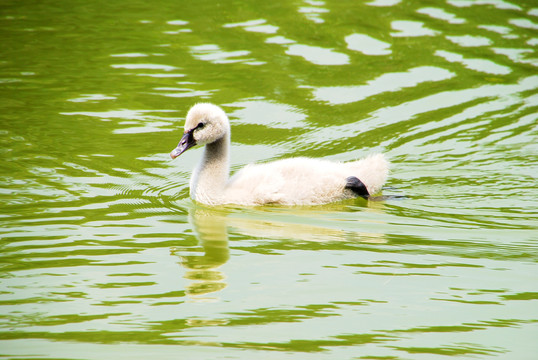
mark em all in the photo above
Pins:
pixel 186 142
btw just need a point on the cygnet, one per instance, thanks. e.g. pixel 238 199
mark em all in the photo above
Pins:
pixel 293 181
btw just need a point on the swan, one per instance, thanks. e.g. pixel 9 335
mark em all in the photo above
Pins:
pixel 293 181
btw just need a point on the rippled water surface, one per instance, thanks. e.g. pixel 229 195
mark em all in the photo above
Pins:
pixel 104 256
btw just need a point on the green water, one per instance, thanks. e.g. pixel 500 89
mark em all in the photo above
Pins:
pixel 104 256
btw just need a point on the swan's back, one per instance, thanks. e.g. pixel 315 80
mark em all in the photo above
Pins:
pixel 303 181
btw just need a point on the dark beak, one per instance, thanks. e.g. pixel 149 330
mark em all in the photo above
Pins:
pixel 186 142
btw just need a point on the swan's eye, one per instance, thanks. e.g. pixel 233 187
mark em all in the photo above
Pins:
pixel 200 125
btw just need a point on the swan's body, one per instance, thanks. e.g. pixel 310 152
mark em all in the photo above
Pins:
pixel 294 181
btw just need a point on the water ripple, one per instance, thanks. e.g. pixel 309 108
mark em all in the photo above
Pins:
pixel 101 244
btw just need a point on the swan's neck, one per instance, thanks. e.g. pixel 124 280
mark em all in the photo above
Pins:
pixel 209 179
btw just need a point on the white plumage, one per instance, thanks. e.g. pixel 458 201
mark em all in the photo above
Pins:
pixel 294 181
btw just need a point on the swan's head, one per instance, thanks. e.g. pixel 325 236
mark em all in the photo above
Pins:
pixel 205 124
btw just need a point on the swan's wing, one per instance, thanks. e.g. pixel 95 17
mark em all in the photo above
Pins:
pixel 256 184
pixel 288 181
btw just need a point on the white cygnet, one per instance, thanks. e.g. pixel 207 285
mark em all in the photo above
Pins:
pixel 293 181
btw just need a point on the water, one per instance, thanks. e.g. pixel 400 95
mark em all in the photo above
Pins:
pixel 105 256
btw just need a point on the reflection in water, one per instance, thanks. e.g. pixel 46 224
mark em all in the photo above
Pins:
pixel 318 55
pixel 446 89
pixel 441 14
pixel 367 45
pixel 255 26
pixel 203 270
pixel 408 28
pixel 216 55
pixel 267 113
pixel 483 65
pixel 311 224
pixel 388 82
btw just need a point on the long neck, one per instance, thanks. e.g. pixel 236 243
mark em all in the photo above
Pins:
pixel 209 179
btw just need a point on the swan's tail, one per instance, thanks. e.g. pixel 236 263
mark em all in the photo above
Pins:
pixel 373 171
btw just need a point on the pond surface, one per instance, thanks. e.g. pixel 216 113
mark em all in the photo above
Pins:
pixel 105 256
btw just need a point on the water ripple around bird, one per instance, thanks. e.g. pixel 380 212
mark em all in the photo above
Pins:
pixel 102 246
